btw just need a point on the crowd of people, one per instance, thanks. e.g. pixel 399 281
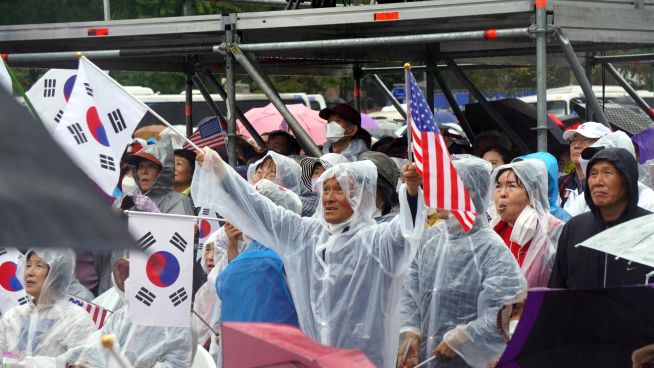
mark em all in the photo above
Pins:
pixel 343 247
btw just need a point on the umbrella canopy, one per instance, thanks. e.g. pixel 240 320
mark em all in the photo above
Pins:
pixel 267 119
pixel 268 344
pixel 45 200
pixel 368 122
pixel 632 240
pixel 582 328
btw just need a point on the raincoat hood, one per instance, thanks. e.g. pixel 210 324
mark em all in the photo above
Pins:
pixel 288 171
pixel 162 151
pixel 61 263
pixel 612 140
pixel 327 160
pixel 279 195
pixel 358 181
pixel 552 182
pixel 531 173
pixel 352 151
pixel 626 163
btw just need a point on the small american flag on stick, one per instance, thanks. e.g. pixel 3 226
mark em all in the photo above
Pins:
pixel 210 134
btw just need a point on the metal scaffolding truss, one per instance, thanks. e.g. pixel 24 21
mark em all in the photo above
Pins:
pixel 338 41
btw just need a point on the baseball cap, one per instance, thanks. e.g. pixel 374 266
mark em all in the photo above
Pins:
pixel 347 112
pixel 589 129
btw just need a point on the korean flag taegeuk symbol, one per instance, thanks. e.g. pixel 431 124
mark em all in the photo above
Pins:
pixel 12 292
pixel 161 271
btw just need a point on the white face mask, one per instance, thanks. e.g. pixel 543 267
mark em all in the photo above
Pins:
pixel 334 132
pixel 128 184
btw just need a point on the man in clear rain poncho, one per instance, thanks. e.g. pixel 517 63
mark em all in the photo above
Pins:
pixel 456 285
pixel 344 271
pixel 48 324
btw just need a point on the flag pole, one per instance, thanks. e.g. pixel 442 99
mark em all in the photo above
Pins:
pixel 21 92
pixel 131 213
pixel 154 113
pixel 109 343
pixel 205 322
pixel 407 93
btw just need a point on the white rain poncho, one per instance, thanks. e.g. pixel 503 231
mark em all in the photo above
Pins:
pixel 206 303
pixel 345 278
pixel 143 346
pixel 288 172
pixel 53 325
pixel 458 281
pixel 535 224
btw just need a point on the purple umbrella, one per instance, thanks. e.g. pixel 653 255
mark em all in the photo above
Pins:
pixel 645 141
pixel 368 123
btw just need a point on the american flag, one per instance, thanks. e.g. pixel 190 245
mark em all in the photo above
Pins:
pixel 441 184
pixel 210 134
pixel 98 314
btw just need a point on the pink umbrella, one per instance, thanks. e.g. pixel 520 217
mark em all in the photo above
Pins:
pixel 368 123
pixel 268 344
pixel 266 119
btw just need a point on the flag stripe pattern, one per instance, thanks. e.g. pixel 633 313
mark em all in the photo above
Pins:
pixel 442 186
pixel 210 134
pixel 98 314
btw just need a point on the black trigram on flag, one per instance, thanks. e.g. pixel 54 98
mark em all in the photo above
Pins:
pixel 206 211
pixel 107 162
pixel 89 90
pixel 178 297
pixel 146 241
pixel 178 242
pixel 49 87
pixel 78 133
pixel 22 300
pixel 59 115
pixel 117 121
pixel 145 296
pixel 3 251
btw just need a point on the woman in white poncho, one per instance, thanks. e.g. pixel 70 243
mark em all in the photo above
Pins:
pixel 344 271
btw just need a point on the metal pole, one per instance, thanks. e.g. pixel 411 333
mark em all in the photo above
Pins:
pixel 303 138
pixel 357 75
pixel 632 92
pixel 389 40
pixel 575 65
pixel 624 58
pixel 278 3
pixel 110 54
pixel 541 76
pixel 107 9
pixel 454 105
pixel 429 75
pixel 213 106
pixel 490 110
pixel 588 71
pixel 188 105
pixel 244 120
pixel 231 96
pixel 389 94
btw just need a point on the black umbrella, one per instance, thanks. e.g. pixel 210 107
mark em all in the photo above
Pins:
pixel 582 328
pixel 45 200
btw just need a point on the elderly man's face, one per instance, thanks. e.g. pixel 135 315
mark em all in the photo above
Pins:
pixel 577 144
pixel 334 202
pixel 607 185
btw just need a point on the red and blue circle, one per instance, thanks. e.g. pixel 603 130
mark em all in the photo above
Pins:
pixel 8 279
pixel 204 229
pixel 162 269
pixel 68 87
pixel 95 126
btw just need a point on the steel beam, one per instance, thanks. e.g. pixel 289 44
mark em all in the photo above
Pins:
pixel 389 95
pixel 632 92
pixel 490 110
pixel 357 76
pixel 388 41
pixel 188 102
pixel 230 37
pixel 213 106
pixel 646 58
pixel 454 105
pixel 303 138
pixel 430 63
pixel 110 54
pixel 575 65
pixel 541 76
pixel 241 116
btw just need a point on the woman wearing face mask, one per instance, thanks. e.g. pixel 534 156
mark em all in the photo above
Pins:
pixel 48 324
pixel 344 132
pixel 523 217
pixel 311 169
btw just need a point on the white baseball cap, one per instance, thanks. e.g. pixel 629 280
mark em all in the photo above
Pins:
pixel 589 129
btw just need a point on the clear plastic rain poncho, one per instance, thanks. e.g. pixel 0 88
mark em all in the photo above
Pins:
pixel 53 325
pixel 458 281
pixel 143 346
pixel 345 278
pixel 288 172
pixel 206 303
pixel 535 223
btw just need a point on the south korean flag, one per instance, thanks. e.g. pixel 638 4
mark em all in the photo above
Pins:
pixel 206 226
pixel 161 273
pixel 97 124
pixel 50 95
pixel 12 292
